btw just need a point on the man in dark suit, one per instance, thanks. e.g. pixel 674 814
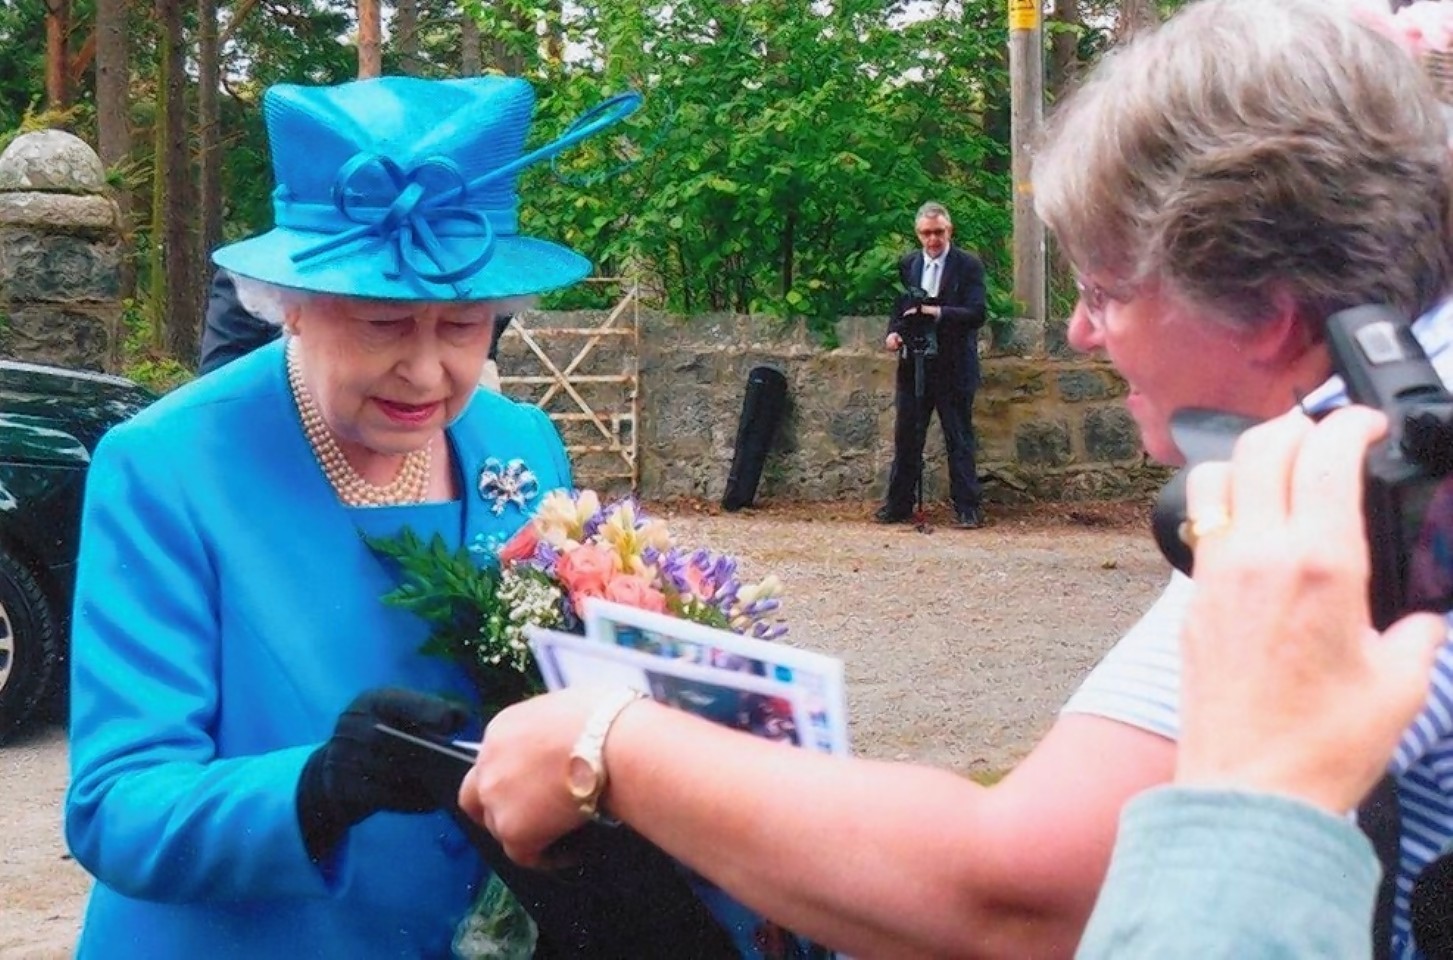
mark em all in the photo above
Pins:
pixel 952 306
pixel 230 331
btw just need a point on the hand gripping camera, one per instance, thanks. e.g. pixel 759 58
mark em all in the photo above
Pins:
pixel 920 333
pixel 1408 503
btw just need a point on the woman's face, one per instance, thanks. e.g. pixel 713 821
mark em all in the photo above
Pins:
pixel 389 375
pixel 1174 356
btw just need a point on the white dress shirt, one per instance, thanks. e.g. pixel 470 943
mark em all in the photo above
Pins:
pixel 932 274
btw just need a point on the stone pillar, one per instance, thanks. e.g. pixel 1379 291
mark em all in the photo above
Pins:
pixel 60 255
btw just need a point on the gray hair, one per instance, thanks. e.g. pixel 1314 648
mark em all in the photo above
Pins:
pixel 266 301
pixel 270 302
pixel 1246 151
pixel 933 209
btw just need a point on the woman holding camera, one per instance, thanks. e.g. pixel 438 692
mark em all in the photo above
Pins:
pixel 1221 185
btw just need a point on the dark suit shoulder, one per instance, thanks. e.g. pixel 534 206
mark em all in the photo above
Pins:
pixel 964 256
pixel 907 265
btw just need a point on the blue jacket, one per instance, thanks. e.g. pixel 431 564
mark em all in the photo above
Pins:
pixel 226 611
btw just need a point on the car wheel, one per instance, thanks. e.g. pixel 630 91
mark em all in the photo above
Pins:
pixel 30 650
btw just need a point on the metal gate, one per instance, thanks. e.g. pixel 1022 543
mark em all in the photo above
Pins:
pixel 586 378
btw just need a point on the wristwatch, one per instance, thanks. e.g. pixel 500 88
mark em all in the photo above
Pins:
pixel 586 776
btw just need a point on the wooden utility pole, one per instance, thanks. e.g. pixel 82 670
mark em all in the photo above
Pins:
pixel 1026 106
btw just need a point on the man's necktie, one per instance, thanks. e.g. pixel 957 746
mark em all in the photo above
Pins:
pixel 930 278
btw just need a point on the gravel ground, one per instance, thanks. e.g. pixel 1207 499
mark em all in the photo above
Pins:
pixel 959 647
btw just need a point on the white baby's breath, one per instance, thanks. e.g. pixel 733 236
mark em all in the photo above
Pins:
pixel 530 602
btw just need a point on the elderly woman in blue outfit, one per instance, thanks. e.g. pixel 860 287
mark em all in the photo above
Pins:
pixel 229 791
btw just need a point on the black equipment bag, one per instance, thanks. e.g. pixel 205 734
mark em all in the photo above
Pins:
pixel 762 409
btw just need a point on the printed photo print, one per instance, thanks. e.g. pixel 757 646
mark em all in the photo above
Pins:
pixel 755 713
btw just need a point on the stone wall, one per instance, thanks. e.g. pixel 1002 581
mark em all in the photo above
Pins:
pixel 60 255
pixel 1051 423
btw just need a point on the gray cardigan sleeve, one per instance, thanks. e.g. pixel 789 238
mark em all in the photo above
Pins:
pixel 1226 874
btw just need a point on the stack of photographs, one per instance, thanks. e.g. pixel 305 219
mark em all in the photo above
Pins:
pixel 767 689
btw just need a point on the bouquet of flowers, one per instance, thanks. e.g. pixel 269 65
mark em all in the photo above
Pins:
pixel 481 598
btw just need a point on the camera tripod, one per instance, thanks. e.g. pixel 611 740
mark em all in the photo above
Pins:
pixel 921 415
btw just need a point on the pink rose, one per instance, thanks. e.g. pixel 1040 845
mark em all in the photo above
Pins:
pixel 586 570
pixel 635 591
pixel 521 546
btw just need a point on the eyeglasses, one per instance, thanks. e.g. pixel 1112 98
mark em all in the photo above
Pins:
pixel 1096 298
pixel 933 232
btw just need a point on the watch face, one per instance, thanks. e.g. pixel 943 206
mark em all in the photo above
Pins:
pixel 584 779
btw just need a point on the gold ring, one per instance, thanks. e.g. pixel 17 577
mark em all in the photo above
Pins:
pixel 1195 529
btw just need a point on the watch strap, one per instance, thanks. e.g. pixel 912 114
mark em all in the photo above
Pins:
pixel 590 748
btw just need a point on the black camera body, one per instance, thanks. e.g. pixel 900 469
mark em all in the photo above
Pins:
pixel 919 330
pixel 1408 500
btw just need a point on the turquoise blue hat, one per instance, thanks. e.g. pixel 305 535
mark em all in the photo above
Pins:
pixel 398 188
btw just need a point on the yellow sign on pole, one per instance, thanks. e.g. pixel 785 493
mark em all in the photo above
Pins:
pixel 1023 14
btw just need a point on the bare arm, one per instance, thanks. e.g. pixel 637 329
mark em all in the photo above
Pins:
pixel 874 858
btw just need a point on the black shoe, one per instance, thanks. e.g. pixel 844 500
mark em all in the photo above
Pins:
pixel 970 519
pixel 889 515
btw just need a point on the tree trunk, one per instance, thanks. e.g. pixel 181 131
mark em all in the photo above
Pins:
pixel 57 54
pixel 156 239
pixel 554 42
pixel 1064 57
pixel 406 36
pixel 113 113
pixel 81 61
pixel 182 320
pixel 1135 15
pixel 370 56
pixel 789 250
pixel 470 60
pixel 239 14
pixel 208 133
pixel 498 53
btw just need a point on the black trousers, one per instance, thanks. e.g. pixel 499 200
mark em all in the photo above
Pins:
pixel 948 390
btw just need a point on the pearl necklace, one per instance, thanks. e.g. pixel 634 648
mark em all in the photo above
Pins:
pixel 409 486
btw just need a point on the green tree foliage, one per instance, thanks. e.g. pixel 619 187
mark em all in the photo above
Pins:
pixel 776 166
pixel 783 150
pixel 22 66
pixel 281 42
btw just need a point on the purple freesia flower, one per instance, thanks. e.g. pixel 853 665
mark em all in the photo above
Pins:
pixel 545 558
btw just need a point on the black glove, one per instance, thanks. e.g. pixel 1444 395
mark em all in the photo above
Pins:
pixel 362 771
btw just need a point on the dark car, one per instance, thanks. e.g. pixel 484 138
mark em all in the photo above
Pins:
pixel 50 422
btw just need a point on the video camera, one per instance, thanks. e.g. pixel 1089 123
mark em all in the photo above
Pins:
pixel 1408 499
pixel 920 331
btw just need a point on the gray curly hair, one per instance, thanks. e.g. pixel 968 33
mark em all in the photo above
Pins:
pixel 270 302
pixel 1248 150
